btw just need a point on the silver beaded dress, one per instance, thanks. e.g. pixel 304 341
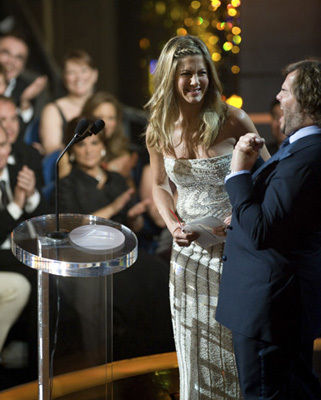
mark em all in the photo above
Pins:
pixel 204 348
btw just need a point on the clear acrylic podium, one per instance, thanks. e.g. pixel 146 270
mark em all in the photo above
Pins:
pixel 69 256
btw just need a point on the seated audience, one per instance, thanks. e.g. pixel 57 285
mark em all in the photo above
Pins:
pixel 110 197
pixel 20 200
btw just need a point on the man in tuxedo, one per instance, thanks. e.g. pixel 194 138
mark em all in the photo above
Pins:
pixel 27 93
pixel 270 291
pixel 19 200
pixel 21 153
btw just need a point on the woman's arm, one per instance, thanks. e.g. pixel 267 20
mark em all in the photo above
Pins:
pixel 51 129
pixel 146 192
pixel 164 199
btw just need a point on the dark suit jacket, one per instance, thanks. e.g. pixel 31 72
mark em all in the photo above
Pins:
pixel 25 154
pixel 79 194
pixel 271 281
pixel 38 103
pixel 8 223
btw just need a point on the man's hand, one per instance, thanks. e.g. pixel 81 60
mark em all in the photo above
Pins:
pixel 32 91
pixel 246 152
pixel 26 181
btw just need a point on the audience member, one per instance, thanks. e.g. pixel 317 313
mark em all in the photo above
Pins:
pixel 21 153
pixel 120 156
pixel 28 94
pixel 80 76
pixel 20 200
pixel 110 197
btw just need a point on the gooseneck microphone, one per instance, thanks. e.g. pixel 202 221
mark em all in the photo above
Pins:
pixel 81 133
pixel 97 126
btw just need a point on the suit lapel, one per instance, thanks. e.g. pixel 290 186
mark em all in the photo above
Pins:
pixel 13 172
pixel 287 152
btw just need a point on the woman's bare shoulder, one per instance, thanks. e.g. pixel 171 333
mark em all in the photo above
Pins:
pixel 239 121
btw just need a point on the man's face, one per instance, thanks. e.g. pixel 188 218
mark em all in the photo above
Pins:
pixel 13 56
pixel 293 118
pixel 9 120
pixel 5 149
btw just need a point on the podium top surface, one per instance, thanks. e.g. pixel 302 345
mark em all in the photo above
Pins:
pixel 90 246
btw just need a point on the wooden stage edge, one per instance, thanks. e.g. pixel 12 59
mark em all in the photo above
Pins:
pixel 92 377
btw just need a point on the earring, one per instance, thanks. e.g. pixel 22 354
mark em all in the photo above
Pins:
pixel 103 153
pixel 71 158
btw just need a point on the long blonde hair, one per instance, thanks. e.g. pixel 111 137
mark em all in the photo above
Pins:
pixel 163 107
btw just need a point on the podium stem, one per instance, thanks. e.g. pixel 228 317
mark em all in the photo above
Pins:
pixel 43 336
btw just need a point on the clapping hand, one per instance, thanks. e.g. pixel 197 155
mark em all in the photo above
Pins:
pixel 25 187
pixel 32 91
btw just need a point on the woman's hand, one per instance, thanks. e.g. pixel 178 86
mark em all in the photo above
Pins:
pixel 183 239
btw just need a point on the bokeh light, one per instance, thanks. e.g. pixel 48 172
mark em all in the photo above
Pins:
pixel 216 22
pixel 235 101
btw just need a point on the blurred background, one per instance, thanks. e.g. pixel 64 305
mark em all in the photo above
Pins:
pixel 250 42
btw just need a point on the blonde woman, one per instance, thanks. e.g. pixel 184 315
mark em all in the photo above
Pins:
pixel 190 138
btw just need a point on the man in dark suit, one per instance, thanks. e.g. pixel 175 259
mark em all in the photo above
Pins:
pixel 21 153
pixel 19 200
pixel 270 291
pixel 27 92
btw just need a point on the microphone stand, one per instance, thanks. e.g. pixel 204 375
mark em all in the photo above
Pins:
pixel 79 135
pixel 57 234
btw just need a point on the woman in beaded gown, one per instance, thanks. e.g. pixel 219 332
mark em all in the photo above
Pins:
pixel 190 138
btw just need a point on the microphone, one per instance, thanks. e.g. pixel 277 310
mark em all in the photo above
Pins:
pixel 81 126
pixel 97 126
pixel 80 134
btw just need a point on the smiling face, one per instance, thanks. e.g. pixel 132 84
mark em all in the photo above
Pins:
pixel 293 117
pixel 108 113
pixel 191 81
pixel 13 56
pixel 88 153
pixel 79 78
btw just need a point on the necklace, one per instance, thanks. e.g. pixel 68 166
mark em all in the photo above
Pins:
pixel 99 177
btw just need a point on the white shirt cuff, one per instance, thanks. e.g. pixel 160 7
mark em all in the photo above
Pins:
pixel 26 115
pixel 32 202
pixel 14 210
pixel 235 173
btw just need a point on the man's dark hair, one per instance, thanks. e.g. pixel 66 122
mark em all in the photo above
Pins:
pixel 307 86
